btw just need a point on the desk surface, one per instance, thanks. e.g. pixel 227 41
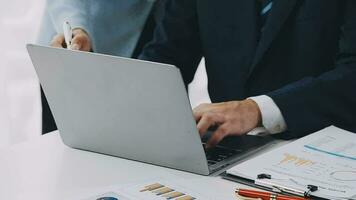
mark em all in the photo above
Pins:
pixel 44 168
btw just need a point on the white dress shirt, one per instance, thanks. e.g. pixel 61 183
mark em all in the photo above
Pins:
pixel 272 119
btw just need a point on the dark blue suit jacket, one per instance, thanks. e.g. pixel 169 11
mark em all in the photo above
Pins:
pixel 304 57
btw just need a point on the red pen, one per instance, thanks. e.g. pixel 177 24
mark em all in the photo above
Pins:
pixel 266 195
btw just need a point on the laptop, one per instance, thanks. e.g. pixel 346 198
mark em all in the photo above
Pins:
pixel 131 109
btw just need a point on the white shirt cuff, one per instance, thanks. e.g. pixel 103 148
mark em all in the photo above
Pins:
pixel 272 118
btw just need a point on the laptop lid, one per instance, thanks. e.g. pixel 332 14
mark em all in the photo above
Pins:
pixel 122 107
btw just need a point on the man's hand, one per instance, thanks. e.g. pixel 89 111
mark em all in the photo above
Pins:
pixel 231 118
pixel 80 41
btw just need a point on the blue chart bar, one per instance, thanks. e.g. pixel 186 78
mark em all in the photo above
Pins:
pixel 330 153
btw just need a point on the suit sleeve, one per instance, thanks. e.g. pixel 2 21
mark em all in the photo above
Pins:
pixel 330 99
pixel 176 39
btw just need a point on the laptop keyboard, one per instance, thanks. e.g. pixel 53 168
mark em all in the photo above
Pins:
pixel 218 154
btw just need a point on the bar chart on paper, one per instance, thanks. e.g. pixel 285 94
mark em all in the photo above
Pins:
pixel 151 190
pixel 173 188
pixel 295 160
pixel 165 192
pixel 162 190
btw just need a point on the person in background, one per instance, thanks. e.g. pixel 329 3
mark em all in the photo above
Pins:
pixel 115 27
pixel 288 66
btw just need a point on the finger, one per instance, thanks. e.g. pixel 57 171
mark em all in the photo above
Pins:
pixel 204 123
pixel 76 45
pixel 197 115
pixel 81 42
pixel 58 41
pixel 208 120
pixel 77 42
pixel 218 135
pixel 199 110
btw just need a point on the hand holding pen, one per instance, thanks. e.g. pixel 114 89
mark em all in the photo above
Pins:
pixel 75 39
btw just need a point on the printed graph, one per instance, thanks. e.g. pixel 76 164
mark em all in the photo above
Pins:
pixel 166 192
pixel 295 160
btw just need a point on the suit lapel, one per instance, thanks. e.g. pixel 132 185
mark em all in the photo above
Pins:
pixel 279 14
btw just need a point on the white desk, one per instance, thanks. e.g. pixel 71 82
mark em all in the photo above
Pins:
pixel 44 168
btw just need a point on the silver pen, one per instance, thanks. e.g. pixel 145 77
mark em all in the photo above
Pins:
pixel 68 34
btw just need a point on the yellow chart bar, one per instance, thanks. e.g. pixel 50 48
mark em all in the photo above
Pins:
pixel 152 187
pixel 173 195
pixel 163 190
pixel 186 198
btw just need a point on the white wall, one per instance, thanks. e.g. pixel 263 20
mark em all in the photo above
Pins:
pixel 20 109
pixel 198 92
pixel 20 106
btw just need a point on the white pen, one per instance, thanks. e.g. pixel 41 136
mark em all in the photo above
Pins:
pixel 68 34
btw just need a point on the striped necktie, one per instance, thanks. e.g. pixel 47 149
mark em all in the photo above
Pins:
pixel 266 6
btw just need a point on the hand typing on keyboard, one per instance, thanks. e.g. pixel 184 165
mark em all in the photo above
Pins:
pixel 231 118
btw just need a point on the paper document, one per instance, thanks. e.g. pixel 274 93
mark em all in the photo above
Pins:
pixel 326 159
pixel 155 189
pixel 161 190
